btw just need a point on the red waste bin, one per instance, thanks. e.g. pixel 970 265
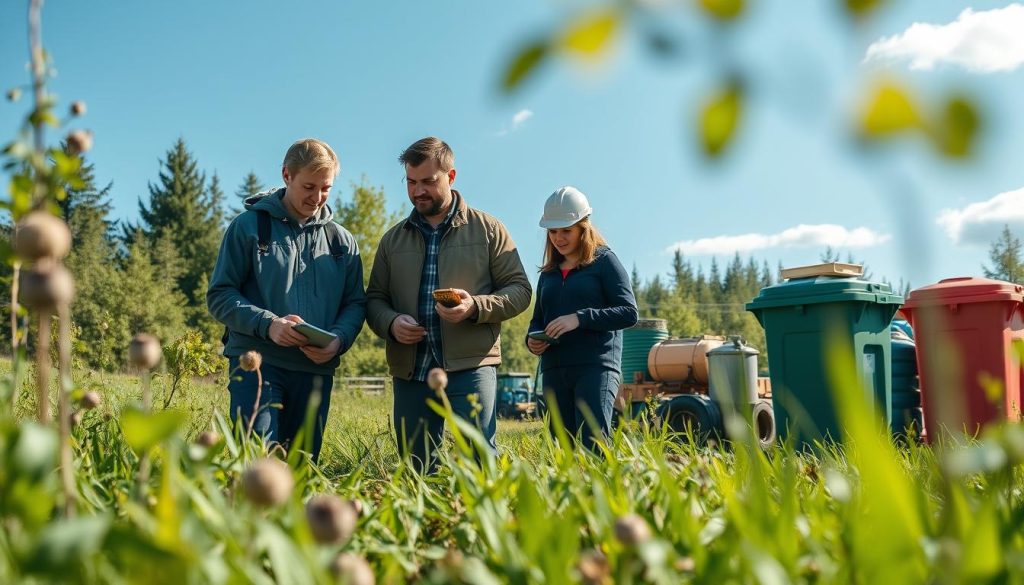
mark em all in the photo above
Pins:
pixel 969 371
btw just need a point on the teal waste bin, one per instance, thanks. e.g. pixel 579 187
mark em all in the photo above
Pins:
pixel 798 315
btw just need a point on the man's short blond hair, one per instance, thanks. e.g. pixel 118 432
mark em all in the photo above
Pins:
pixel 310 153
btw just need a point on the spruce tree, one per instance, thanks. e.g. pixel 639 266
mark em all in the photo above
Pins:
pixel 250 186
pixel 188 215
pixel 150 271
pixel 99 342
pixel 654 295
pixel 1007 257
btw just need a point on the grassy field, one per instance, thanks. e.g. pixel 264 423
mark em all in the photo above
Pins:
pixel 651 509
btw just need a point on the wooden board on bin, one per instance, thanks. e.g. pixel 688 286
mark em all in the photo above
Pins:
pixel 827 269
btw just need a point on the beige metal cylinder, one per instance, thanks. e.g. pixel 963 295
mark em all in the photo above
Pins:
pixel 682 360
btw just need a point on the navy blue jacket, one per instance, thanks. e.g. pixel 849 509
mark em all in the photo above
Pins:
pixel 601 296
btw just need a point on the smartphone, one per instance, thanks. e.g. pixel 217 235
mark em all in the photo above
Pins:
pixel 541 336
pixel 447 297
pixel 316 335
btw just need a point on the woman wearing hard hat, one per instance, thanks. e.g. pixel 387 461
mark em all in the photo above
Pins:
pixel 584 300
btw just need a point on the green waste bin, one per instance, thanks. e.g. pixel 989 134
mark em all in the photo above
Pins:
pixel 798 315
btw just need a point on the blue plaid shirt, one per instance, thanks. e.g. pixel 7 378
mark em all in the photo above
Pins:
pixel 429 352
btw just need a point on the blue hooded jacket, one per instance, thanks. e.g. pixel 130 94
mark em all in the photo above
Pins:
pixel 297 275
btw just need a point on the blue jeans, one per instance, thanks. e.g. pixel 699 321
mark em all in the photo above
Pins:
pixel 292 390
pixel 579 391
pixel 419 430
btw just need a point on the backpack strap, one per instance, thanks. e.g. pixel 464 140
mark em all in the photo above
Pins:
pixel 263 231
pixel 334 241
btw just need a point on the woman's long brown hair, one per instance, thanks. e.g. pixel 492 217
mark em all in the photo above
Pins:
pixel 590 239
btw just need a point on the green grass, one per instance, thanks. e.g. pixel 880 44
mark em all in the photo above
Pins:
pixel 870 513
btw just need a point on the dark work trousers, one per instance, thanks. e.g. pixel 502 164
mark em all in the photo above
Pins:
pixel 419 430
pixel 577 390
pixel 292 390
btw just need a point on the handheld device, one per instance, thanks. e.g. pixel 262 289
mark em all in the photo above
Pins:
pixel 316 335
pixel 541 336
pixel 447 297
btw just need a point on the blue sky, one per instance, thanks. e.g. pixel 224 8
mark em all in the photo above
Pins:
pixel 240 81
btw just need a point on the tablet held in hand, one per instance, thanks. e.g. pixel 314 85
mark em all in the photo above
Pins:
pixel 316 335
pixel 541 336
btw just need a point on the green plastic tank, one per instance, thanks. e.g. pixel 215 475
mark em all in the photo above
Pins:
pixel 637 342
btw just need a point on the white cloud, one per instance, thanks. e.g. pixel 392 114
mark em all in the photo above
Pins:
pixel 520 117
pixel 801 236
pixel 980 223
pixel 984 42
pixel 518 120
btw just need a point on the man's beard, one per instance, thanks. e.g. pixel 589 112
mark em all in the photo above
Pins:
pixel 434 209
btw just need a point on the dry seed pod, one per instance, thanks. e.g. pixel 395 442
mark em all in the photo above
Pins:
pixel 76 418
pixel 331 519
pixel 208 439
pixel 632 530
pixel 78 108
pixel 42 235
pixel 45 287
pixel 250 361
pixel 593 567
pixel 452 559
pixel 268 482
pixel 144 351
pixel 437 379
pixel 357 505
pixel 352 570
pixel 90 400
pixel 79 141
pixel 685 565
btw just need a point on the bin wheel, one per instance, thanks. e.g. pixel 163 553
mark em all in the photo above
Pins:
pixel 764 423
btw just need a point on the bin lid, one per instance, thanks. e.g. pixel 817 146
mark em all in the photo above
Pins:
pixel 823 289
pixel 965 289
pixel 734 346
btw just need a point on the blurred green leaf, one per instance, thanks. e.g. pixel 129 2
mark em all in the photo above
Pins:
pixel 591 34
pixel 889 110
pixel 524 63
pixel 861 8
pixel 44 116
pixel 20 187
pixel 6 251
pixel 17 149
pixel 475 571
pixel 66 165
pixel 284 555
pixel 143 431
pixel 992 386
pixel 723 9
pixel 983 457
pixel 719 119
pixel 66 545
pixel 956 130
pixel 34 453
pixel 982 553
pixel 886 494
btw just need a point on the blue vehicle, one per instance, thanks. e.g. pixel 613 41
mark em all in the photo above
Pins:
pixel 517 397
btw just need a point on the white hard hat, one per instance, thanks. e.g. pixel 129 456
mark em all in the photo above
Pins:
pixel 565 207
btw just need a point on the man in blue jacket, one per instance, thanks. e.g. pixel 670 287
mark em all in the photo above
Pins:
pixel 285 261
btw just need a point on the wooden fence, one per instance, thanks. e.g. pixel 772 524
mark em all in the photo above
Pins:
pixel 368 384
